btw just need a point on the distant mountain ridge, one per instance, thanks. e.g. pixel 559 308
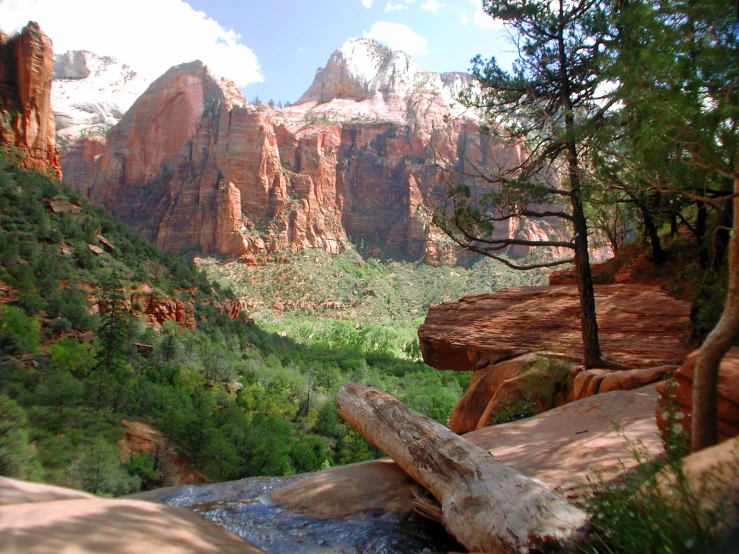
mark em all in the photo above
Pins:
pixel 193 166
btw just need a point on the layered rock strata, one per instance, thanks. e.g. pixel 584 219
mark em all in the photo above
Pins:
pixel 27 131
pixel 194 167
pixel 640 326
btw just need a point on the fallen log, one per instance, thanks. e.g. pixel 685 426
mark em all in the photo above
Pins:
pixel 486 505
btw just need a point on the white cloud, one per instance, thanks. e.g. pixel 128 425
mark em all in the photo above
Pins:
pixel 398 37
pixel 149 35
pixel 482 19
pixel 402 5
pixel 367 3
pixel 432 6
pixel 463 19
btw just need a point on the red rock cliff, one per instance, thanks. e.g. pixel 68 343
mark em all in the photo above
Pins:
pixel 193 166
pixel 26 117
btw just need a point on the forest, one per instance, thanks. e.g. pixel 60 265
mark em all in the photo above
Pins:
pixel 236 399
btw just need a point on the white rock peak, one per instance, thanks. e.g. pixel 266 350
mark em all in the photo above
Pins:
pixel 363 69
pixel 90 93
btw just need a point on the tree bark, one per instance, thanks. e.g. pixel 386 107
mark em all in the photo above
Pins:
pixel 658 254
pixel 486 505
pixel 701 222
pixel 704 430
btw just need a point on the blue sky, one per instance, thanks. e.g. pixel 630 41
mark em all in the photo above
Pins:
pixel 270 48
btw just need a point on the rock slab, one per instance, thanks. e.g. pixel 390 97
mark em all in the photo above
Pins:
pixel 640 326
pixel 44 519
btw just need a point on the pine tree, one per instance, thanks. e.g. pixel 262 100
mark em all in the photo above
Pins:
pixel 550 105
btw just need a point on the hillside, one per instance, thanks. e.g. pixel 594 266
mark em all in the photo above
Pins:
pixel 234 399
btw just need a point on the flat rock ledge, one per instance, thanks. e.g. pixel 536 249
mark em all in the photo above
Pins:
pixel 640 326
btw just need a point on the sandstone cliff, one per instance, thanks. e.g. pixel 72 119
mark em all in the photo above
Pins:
pixel 193 166
pixel 26 117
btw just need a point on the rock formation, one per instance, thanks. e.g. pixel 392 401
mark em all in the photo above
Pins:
pixel 194 167
pixel 511 337
pixel 43 518
pixel 26 117
pixel 640 326
pixel 676 395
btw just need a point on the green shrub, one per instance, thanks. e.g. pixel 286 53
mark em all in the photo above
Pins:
pixel 19 333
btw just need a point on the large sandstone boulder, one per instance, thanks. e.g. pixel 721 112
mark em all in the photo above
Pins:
pixel 562 448
pixel 639 326
pixel 41 518
pixel 26 69
pixel 677 394
pixel 529 382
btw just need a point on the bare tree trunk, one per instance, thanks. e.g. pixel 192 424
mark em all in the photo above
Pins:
pixel 704 431
pixel 589 324
pixel 486 505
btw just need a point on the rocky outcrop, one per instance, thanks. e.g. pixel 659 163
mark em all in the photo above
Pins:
pixel 139 437
pixel 78 161
pixel 42 518
pixel 639 326
pixel 26 117
pixel 676 396
pixel 598 381
pixel 194 167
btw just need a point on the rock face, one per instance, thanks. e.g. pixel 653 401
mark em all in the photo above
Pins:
pixel 639 326
pixel 26 117
pixel 677 394
pixel 193 166
pixel 141 437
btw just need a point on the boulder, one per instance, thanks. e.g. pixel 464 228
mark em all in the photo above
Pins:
pixel 676 394
pixel 41 518
pixel 596 381
pixel 526 379
pixel 639 326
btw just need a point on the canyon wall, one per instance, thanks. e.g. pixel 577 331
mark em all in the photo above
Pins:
pixel 360 156
pixel 27 130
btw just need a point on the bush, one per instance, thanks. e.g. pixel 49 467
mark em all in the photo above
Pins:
pixel 19 333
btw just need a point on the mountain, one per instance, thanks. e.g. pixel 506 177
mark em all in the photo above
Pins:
pixel 26 117
pixel 91 93
pixel 192 166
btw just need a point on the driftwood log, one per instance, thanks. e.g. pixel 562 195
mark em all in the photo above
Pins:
pixel 486 505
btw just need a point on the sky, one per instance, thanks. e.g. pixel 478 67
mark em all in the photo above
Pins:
pixel 271 48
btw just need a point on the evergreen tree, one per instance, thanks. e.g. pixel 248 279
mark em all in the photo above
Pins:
pixel 111 369
pixel 550 105
pixel 679 83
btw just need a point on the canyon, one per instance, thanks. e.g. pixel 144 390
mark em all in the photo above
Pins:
pixel 363 157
